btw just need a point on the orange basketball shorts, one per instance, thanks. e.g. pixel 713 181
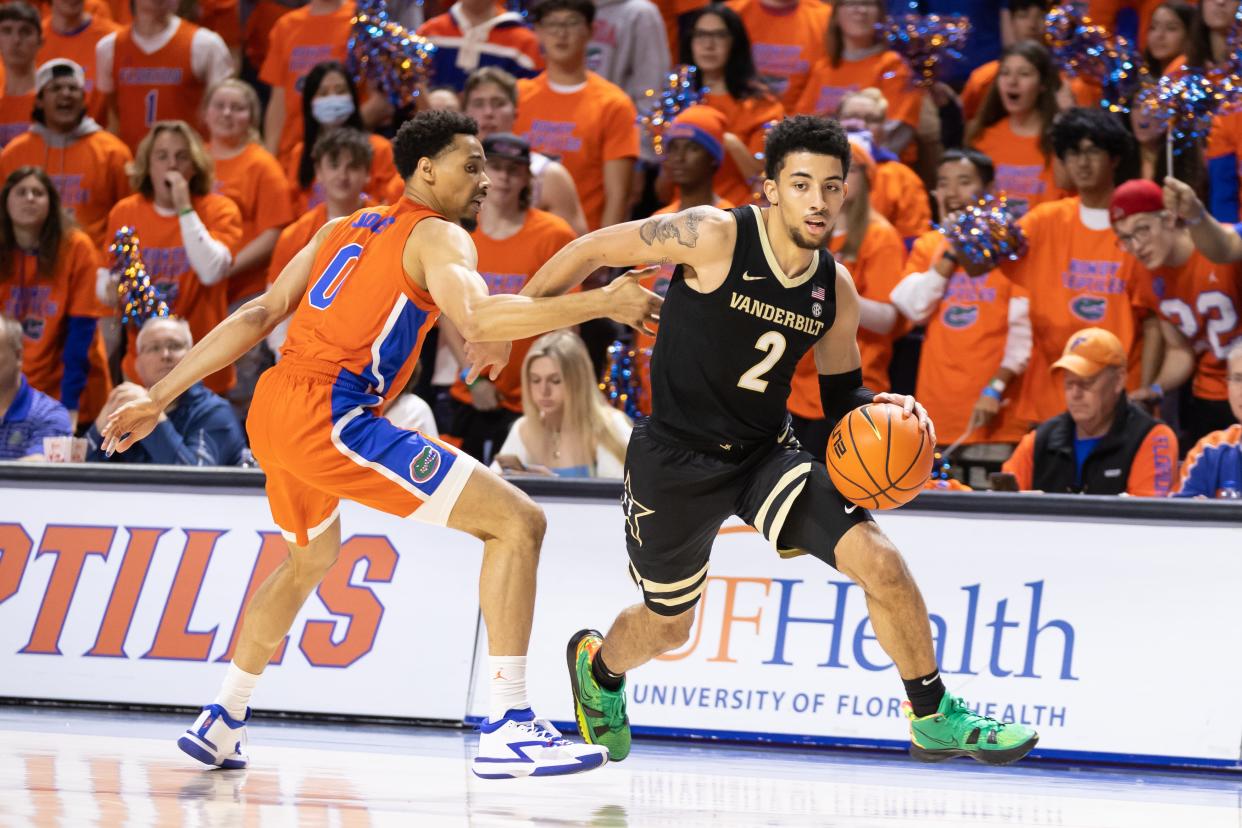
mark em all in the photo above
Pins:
pixel 314 431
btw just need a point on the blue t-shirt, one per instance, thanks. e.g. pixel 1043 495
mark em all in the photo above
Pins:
pixel 32 416
pixel 1083 446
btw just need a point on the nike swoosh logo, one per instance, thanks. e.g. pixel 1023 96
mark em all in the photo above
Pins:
pixel 926 682
pixel 849 510
pixel 746 277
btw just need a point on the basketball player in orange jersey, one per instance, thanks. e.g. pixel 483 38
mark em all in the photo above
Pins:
pixel 754 289
pixel 358 323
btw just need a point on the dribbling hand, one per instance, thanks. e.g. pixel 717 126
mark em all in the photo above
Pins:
pixel 632 304
pixel 909 406
pixel 130 423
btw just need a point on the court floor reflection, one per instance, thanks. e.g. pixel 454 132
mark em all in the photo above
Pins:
pixel 73 768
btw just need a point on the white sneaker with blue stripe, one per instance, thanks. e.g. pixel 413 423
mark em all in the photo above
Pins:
pixel 217 739
pixel 521 745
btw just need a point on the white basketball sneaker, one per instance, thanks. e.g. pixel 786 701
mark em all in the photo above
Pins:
pixel 217 739
pixel 521 745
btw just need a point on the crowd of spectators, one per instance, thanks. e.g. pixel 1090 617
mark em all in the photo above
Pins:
pixel 1108 359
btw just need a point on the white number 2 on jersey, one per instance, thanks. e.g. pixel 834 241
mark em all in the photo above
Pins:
pixel 1215 307
pixel 773 342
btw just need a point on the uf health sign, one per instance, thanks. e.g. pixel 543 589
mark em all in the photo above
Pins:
pixel 1113 640
pixel 136 597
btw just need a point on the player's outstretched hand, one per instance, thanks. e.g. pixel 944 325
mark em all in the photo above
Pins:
pixel 483 354
pixel 632 304
pixel 130 423
pixel 909 406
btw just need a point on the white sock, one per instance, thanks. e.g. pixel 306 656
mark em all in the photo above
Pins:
pixel 508 690
pixel 234 695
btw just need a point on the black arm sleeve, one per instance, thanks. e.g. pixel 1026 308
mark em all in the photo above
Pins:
pixel 842 393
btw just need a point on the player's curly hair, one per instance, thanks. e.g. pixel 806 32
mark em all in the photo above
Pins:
pixel 428 134
pixel 805 133
pixel 1104 129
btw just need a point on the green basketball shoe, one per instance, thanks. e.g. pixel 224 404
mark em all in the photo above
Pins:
pixel 956 730
pixel 600 712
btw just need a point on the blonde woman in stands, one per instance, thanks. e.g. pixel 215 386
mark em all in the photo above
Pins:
pixel 567 428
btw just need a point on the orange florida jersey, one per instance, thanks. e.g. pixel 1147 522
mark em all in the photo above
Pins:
pixel 360 312
pixel 160 86
pixel 1202 300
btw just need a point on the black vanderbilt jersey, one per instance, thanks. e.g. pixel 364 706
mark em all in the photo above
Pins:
pixel 723 361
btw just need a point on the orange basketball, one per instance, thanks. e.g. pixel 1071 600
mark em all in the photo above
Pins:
pixel 877 458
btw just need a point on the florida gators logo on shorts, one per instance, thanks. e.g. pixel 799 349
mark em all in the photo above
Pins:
pixel 425 465
pixel 1089 308
pixel 960 316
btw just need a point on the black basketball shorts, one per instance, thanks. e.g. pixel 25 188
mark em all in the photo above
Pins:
pixel 676 498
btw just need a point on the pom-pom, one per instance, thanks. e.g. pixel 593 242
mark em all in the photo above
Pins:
pixel 620 383
pixel 661 108
pixel 1084 50
pixel 391 58
pixel 1184 106
pixel 139 300
pixel 987 232
pixel 926 42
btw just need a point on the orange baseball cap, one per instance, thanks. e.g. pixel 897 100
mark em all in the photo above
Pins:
pixel 1090 351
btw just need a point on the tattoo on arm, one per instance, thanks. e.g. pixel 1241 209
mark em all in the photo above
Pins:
pixel 684 228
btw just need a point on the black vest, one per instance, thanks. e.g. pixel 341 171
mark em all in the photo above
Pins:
pixel 723 361
pixel 1106 470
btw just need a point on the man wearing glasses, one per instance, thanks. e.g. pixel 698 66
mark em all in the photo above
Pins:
pixel 199 429
pixel 576 116
pixel 1199 303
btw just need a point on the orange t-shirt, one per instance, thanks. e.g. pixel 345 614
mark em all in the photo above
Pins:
pixel 90 8
pixel 297 42
pixel 1202 300
pixel 163 254
pixel 1149 473
pixel 507 265
pixel 89 174
pixel 785 43
pixel 379 185
pixel 79 47
pixel 657 282
pixel 160 86
pixel 886 71
pixel 898 194
pixel 1076 278
pixel 747 120
pixel 43 306
pixel 15 115
pixel 258 30
pixel 963 348
pixel 360 311
pixel 981 80
pixel 583 130
pixel 1022 173
pixel 256 184
pixel 876 271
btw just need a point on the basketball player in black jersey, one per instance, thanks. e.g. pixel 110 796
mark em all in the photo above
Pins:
pixel 753 290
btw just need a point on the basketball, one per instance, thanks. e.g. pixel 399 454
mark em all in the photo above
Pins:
pixel 877 458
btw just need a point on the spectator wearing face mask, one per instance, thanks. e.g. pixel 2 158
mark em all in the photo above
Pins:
pixel 329 102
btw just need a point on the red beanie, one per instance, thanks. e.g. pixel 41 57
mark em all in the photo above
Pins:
pixel 1138 195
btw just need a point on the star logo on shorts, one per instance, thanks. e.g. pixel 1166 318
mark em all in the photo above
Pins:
pixel 633 511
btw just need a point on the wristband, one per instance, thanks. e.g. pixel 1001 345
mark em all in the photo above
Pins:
pixel 465 372
pixel 1198 220
pixel 1157 389
pixel 990 391
pixel 185 212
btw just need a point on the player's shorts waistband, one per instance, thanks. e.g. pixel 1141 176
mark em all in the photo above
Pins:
pixel 330 372
pixel 731 450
